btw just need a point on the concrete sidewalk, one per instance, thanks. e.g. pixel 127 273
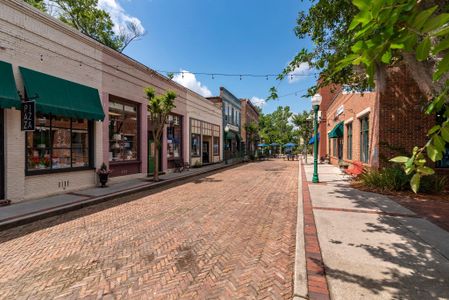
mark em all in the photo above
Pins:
pixel 372 247
pixel 32 210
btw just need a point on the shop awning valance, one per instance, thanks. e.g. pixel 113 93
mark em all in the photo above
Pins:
pixel 337 132
pixel 8 91
pixel 62 97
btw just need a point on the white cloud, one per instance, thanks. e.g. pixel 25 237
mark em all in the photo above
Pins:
pixel 119 16
pixel 302 70
pixel 188 80
pixel 259 102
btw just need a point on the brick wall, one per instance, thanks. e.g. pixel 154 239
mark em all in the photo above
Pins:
pixel 328 93
pixel 404 125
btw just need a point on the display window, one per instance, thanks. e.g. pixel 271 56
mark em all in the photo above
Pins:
pixel 174 137
pixel 58 143
pixel 123 132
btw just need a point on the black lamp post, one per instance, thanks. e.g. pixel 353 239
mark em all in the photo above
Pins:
pixel 226 130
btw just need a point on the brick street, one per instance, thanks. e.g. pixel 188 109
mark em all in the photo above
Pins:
pixel 228 235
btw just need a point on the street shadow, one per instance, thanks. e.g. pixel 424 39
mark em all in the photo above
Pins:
pixel 7 234
pixel 415 269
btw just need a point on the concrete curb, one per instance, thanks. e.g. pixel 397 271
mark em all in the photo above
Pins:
pixel 300 290
pixel 29 218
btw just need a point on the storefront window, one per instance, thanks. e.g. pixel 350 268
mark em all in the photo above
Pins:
pixel 123 132
pixel 196 145
pixel 364 140
pixel 58 143
pixel 174 134
pixel 349 136
pixel 216 133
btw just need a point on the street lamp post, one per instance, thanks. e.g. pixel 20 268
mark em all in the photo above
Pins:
pixel 226 130
pixel 316 101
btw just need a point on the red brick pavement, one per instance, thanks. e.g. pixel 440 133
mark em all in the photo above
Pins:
pixel 230 235
pixel 316 273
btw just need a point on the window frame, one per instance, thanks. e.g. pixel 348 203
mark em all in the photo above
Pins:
pixel 90 150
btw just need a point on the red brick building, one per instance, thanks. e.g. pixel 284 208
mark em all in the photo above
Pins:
pixel 373 127
pixel 250 114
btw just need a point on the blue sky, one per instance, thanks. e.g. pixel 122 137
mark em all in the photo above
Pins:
pixel 221 36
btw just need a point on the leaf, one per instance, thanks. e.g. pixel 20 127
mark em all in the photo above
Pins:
pixel 445 134
pixel 423 49
pixel 397 46
pixel 409 170
pixel 386 58
pixel 436 22
pixel 361 4
pixel 358 46
pixel 443 45
pixel 422 17
pixel 443 67
pixel 400 159
pixel 441 31
pixel 439 143
pixel 415 182
pixel 433 129
pixel 433 153
pixel 425 171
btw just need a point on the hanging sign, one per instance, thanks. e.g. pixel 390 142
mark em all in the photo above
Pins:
pixel 29 115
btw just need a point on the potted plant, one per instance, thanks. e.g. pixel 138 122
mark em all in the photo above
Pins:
pixel 103 174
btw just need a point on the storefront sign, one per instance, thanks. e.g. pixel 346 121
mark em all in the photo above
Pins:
pixel 233 127
pixel 29 115
pixel 340 110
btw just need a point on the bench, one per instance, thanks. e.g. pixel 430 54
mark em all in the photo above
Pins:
pixel 355 169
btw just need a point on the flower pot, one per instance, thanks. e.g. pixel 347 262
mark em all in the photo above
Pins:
pixel 103 179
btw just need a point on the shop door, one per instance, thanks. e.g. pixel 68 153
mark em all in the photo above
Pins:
pixel 340 148
pixel 151 145
pixel 205 152
pixel 2 158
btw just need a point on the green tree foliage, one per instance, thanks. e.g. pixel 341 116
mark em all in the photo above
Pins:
pixel 276 127
pixel 415 33
pixel 88 18
pixel 357 40
pixel 159 107
pixel 252 130
pixel 304 124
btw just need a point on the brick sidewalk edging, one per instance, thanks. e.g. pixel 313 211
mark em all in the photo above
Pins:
pixel 316 274
pixel 61 209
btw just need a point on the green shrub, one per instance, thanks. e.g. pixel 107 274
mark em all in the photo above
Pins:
pixel 388 179
pixel 433 184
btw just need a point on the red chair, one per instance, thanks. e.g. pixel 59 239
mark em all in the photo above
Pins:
pixel 355 170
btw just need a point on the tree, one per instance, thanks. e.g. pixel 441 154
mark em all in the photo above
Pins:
pixel 252 129
pixel 276 127
pixel 304 125
pixel 159 107
pixel 356 41
pixel 85 16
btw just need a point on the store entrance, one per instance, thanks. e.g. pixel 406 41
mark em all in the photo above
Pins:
pixel 2 157
pixel 206 152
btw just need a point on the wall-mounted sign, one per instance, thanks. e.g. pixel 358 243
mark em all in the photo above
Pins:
pixel 233 127
pixel 340 110
pixel 29 115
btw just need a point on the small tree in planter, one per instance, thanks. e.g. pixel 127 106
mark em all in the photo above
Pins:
pixel 159 107
pixel 103 174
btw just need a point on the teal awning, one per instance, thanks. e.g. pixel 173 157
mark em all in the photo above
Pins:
pixel 230 135
pixel 337 132
pixel 62 97
pixel 8 90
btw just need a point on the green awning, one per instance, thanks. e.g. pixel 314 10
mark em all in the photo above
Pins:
pixel 337 132
pixel 62 97
pixel 230 135
pixel 8 90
